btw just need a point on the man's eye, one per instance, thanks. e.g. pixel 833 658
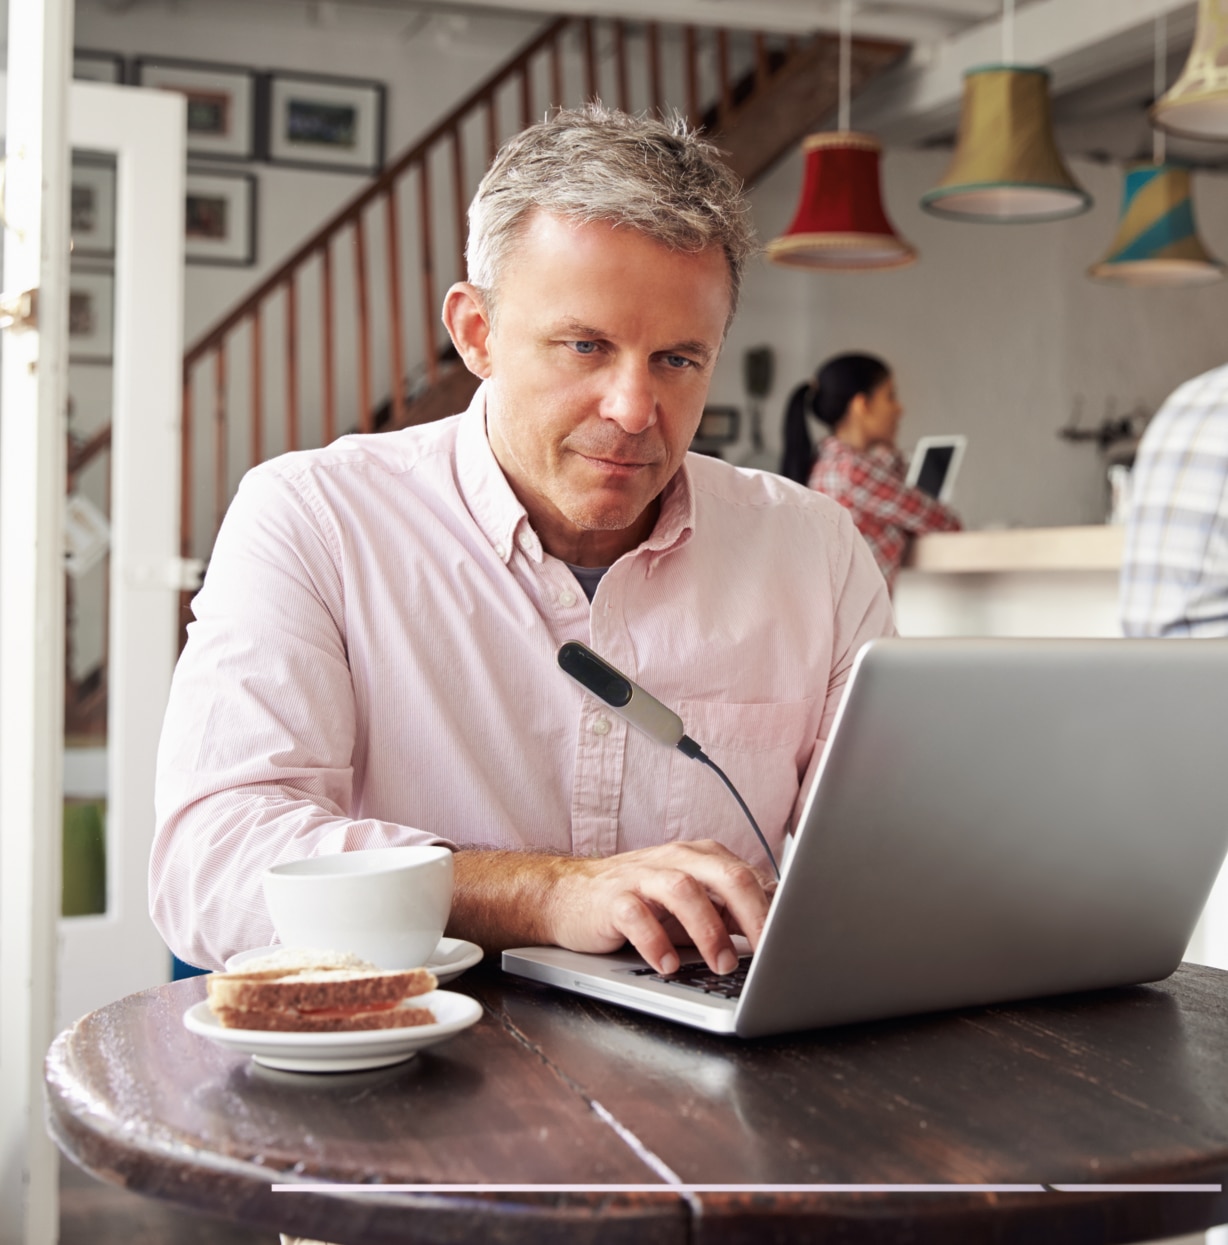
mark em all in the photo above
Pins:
pixel 679 361
pixel 585 347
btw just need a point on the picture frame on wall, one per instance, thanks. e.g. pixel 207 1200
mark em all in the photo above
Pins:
pixel 91 301
pixel 91 66
pixel 219 217
pixel 316 121
pixel 92 207
pixel 223 103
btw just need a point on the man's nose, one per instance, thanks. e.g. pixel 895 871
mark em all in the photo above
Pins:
pixel 630 398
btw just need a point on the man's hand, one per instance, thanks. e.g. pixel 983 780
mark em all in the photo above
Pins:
pixel 696 893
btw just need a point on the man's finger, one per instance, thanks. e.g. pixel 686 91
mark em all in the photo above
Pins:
pixel 635 920
pixel 686 900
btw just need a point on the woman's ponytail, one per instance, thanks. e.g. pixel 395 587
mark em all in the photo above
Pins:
pixel 798 456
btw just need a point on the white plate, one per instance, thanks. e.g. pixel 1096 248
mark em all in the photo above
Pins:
pixel 449 959
pixel 340 1052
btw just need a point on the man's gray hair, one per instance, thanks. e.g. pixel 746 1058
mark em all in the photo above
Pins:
pixel 594 164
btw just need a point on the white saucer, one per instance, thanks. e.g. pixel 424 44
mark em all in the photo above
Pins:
pixel 449 959
pixel 340 1052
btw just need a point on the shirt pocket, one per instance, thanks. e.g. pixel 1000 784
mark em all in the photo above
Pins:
pixel 764 750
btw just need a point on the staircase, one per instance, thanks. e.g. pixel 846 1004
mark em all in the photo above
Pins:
pixel 345 334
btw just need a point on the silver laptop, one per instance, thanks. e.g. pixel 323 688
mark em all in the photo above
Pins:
pixel 993 820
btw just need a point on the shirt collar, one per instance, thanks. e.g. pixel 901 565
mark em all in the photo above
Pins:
pixel 504 521
pixel 484 487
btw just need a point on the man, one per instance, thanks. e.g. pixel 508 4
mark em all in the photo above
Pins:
pixel 373 656
pixel 1174 575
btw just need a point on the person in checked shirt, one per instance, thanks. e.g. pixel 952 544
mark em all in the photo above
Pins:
pixel 858 463
pixel 373 656
pixel 1174 567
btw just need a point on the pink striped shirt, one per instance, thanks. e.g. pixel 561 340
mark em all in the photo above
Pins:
pixel 373 663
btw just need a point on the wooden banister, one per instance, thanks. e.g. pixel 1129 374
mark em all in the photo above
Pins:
pixel 352 209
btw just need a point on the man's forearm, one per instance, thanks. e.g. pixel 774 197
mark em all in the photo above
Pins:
pixel 597 904
pixel 505 899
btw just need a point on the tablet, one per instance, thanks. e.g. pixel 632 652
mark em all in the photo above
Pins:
pixel 935 464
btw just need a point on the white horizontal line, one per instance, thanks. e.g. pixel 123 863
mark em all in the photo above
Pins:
pixel 1137 1188
pixel 688 1189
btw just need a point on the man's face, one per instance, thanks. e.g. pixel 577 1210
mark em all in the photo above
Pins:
pixel 598 364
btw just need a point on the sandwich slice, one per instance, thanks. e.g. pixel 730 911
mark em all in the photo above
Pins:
pixel 318 992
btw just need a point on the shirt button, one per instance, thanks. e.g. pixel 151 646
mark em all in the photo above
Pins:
pixel 567 598
pixel 501 552
pixel 601 726
pixel 526 541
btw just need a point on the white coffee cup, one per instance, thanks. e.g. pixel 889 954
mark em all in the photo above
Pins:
pixel 389 905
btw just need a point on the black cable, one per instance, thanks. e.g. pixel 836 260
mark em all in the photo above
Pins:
pixel 688 747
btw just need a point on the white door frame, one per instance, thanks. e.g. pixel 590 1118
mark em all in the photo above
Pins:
pixel 32 465
pixel 119 952
pixel 99 958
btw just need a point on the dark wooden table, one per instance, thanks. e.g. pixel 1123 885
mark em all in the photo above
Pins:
pixel 1124 1087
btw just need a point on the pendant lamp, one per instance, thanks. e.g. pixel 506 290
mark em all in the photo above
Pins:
pixel 1006 167
pixel 1197 104
pixel 840 222
pixel 1157 242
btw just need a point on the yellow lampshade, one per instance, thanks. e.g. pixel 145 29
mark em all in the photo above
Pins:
pixel 1157 242
pixel 1006 165
pixel 1197 104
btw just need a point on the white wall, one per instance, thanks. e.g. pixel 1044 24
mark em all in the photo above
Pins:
pixel 995 332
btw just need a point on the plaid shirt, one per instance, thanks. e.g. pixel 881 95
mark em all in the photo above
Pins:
pixel 1174 572
pixel 870 484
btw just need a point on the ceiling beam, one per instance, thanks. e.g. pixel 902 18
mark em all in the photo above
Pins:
pixel 1079 41
pixel 908 22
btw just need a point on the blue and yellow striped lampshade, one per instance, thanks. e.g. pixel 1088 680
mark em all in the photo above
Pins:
pixel 1157 242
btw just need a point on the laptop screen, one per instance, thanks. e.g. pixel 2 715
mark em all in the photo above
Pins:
pixel 934 468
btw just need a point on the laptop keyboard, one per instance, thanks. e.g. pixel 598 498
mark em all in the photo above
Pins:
pixel 700 977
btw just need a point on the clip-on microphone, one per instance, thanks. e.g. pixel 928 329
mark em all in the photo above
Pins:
pixel 644 712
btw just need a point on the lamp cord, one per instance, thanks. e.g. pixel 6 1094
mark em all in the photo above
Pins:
pixel 688 747
pixel 846 61
pixel 1158 150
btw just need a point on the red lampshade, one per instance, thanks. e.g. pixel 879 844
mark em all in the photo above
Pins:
pixel 840 221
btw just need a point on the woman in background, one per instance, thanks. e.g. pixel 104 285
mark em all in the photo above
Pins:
pixel 858 463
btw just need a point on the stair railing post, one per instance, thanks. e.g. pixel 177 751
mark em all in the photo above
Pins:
pixel 427 266
pixel 652 35
pixel 292 442
pixel 396 350
pixel 328 378
pixel 459 202
pixel 257 413
pixel 692 75
pixel 592 89
pixel 620 66
pixel 364 324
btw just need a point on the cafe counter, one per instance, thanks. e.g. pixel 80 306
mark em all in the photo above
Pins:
pixel 1049 581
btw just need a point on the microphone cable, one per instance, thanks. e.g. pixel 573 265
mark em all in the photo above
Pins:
pixel 647 714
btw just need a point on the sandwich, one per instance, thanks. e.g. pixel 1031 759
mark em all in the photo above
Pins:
pixel 318 992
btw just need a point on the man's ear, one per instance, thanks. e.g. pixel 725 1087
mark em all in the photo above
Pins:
pixel 467 322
